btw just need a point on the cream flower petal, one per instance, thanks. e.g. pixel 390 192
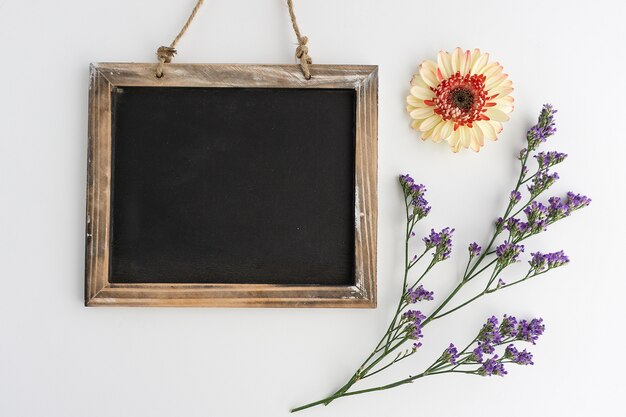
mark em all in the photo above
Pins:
pixel 479 136
pixel 488 68
pixel 456 60
pixel 495 81
pixel 415 102
pixel 502 90
pixel 437 132
pixel 475 56
pixel 487 129
pixel 423 93
pixel 454 138
pixel 466 63
pixel 465 136
pixel 447 129
pixel 479 64
pixel 417 80
pixel 430 122
pixel 428 71
pixel 493 71
pixel 443 64
pixel 422 113
pixel 496 114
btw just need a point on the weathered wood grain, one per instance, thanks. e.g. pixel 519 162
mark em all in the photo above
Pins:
pixel 106 76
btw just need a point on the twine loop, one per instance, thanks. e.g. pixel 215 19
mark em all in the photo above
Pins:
pixel 165 55
pixel 302 53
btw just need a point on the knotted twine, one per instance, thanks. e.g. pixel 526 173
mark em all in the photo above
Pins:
pixel 166 53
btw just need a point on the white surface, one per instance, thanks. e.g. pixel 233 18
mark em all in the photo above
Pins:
pixel 58 358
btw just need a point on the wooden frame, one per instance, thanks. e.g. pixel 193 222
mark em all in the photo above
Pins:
pixel 104 77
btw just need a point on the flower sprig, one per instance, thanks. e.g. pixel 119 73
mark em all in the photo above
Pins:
pixel 497 343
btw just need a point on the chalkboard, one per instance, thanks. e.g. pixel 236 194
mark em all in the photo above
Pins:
pixel 231 185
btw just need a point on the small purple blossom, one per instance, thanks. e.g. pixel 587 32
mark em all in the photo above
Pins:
pixel 451 354
pixel 507 253
pixel 508 328
pixel 415 192
pixel 515 196
pixel 548 159
pixel 492 366
pixel 441 241
pixel 501 283
pixel 522 154
pixel 559 208
pixel 521 358
pixel 419 294
pixel 417 346
pixel 474 249
pixel 544 128
pixel 414 326
pixel 486 348
pixel 541 182
pixel 537 215
pixel 490 334
pixel 477 354
pixel 516 227
pixel 577 201
pixel 539 261
pixel 530 331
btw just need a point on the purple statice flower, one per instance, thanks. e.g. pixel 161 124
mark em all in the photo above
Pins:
pixel 486 348
pixel 559 208
pixel 576 201
pixel 515 196
pixel 540 261
pixel 541 182
pixel 474 249
pixel 537 215
pixel 406 181
pixel 548 159
pixel 521 358
pixel 500 283
pixel 544 128
pixel 508 327
pixel 451 354
pixel 522 154
pixel 419 294
pixel 477 354
pixel 417 346
pixel 490 333
pixel 507 253
pixel 516 227
pixel 441 241
pixel 499 224
pixel 414 327
pixel 492 366
pixel 415 192
pixel 530 331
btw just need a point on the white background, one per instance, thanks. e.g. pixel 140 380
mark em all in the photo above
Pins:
pixel 58 358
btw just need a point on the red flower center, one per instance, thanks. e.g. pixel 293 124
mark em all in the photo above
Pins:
pixel 461 98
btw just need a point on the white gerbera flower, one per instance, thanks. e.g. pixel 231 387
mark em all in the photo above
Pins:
pixel 462 98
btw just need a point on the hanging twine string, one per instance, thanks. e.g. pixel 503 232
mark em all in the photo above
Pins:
pixel 302 51
pixel 166 53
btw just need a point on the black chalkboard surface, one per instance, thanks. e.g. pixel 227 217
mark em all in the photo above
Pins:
pixel 233 185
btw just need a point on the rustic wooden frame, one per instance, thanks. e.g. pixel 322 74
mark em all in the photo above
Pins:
pixel 104 77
